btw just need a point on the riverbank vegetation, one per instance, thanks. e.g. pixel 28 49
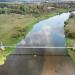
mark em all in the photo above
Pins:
pixel 16 20
pixel 70 36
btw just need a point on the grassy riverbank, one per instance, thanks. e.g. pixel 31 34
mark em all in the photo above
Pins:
pixel 13 28
pixel 70 37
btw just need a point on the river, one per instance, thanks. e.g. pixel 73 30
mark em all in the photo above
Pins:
pixel 46 33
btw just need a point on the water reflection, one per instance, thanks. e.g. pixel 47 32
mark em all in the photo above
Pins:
pixel 47 33
pixel 22 65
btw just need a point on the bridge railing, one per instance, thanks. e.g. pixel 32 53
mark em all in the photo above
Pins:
pixel 39 50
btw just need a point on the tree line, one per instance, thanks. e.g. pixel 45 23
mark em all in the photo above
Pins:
pixel 33 9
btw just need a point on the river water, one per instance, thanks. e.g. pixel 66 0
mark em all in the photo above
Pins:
pixel 46 33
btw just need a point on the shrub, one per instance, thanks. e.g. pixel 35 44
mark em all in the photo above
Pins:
pixel 15 35
pixel 18 28
pixel 72 15
pixel 65 22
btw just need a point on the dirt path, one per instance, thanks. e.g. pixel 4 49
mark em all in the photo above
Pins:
pixel 58 65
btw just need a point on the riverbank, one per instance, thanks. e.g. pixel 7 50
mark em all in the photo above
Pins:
pixel 13 28
pixel 70 37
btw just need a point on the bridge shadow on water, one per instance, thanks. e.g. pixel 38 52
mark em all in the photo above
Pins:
pixel 26 62
pixel 17 64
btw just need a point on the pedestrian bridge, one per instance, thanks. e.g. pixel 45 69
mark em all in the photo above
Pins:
pixel 41 51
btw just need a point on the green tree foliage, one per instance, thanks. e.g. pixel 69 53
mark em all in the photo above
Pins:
pixel 35 10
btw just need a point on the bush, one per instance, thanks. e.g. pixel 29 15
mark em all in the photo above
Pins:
pixel 18 28
pixel 15 35
pixel 72 15
pixel 65 22
pixel 20 31
pixel 69 35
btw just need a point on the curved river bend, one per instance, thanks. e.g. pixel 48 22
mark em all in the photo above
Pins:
pixel 46 33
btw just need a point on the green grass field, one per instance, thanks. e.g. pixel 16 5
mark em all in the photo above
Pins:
pixel 11 25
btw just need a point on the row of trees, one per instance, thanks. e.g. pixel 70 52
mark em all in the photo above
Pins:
pixel 33 9
pixel 64 4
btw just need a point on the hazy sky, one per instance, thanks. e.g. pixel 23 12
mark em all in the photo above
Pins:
pixel 48 0
pixel 43 0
